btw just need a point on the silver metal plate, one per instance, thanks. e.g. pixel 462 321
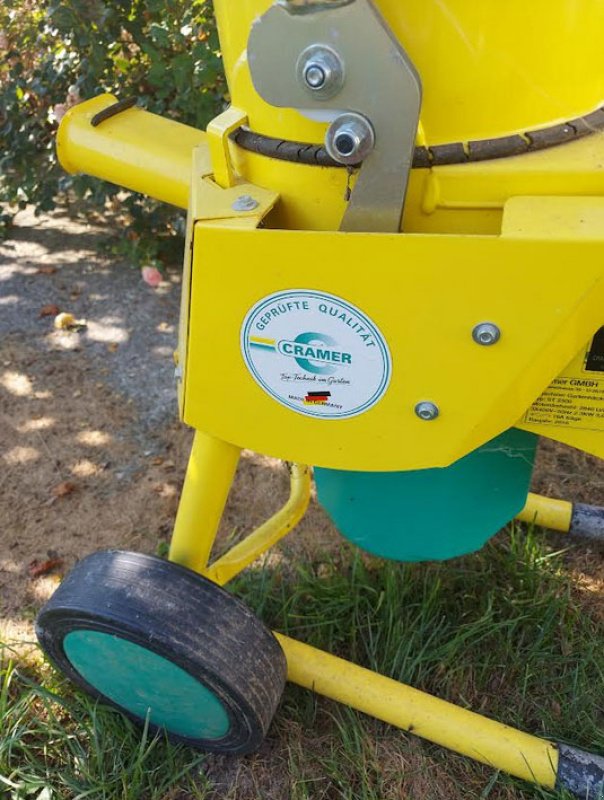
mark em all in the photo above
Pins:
pixel 380 83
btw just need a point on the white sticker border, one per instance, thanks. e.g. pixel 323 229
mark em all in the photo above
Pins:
pixel 318 295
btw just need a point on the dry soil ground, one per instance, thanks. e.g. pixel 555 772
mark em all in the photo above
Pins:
pixel 92 453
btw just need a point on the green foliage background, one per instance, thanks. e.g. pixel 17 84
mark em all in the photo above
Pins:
pixel 164 52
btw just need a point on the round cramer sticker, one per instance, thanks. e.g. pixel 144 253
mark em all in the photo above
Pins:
pixel 316 354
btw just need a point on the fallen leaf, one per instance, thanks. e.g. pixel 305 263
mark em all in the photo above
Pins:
pixel 67 322
pixel 46 270
pixel 112 347
pixel 64 488
pixel 164 489
pixel 151 276
pixel 37 568
pixel 50 310
pixel 157 461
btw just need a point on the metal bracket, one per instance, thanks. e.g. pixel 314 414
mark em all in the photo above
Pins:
pixel 377 81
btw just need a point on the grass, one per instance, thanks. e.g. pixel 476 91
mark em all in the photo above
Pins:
pixel 503 632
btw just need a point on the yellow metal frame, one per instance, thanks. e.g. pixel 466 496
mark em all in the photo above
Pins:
pixel 208 479
pixel 547 512
pixel 500 204
pixel 210 473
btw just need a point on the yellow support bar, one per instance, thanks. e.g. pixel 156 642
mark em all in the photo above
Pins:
pixel 547 512
pixel 210 472
pixel 470 734
pixel 268 534
pixel 133 148
pixel 218 132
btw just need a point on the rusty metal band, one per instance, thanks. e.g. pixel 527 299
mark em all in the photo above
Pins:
pixel 113 110
pixel 437 155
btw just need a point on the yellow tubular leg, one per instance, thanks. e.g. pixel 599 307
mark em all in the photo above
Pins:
pixel 264 537
pixel 547 512
pixel 210 473
pixel 492 743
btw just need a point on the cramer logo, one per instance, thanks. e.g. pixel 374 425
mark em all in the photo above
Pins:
pixel 316 353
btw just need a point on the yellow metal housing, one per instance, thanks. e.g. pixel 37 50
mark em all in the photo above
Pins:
pixel 487 69
pixel 546 311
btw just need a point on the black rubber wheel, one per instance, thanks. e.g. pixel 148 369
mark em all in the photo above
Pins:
pixel 167 646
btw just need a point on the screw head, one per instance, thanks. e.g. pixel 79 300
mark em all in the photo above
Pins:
pixel 321 71
pixel 314 75
pixel 486 333
pixel 350 138
pixel 245 202
pixel 427 411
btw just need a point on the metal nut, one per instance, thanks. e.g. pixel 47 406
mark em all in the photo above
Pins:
pixel 321 71
pixel 350 138
pixel 486 333
pixel 245 202
pixel 426 410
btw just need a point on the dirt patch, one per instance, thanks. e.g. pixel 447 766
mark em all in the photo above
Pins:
pixel 92 454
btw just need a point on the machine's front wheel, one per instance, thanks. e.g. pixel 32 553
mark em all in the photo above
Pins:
pixel 164 644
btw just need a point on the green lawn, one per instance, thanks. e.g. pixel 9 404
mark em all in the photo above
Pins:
pixel 505 632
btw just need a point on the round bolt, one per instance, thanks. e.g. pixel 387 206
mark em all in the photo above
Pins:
pixel 350 138
pixel 344 143
pixel 486 333
pixel 314 75
pixel 320 70
pixel 426 410
pixel 245 202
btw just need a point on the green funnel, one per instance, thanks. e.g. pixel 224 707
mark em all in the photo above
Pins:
pixel 429 514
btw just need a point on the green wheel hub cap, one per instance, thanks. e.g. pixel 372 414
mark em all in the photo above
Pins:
pixel 146 684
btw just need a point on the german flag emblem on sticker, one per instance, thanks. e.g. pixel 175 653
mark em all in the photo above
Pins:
pixel 316 398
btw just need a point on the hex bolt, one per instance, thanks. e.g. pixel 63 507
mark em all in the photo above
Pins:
pixel 486 333
pixel 314 75
pixel 427 411
pixel 350 138
pixel 245 202
pixel 321 71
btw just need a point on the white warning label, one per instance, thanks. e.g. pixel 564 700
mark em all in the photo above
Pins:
pixel 570 402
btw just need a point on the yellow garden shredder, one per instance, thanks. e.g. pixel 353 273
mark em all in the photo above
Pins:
pixel 394 272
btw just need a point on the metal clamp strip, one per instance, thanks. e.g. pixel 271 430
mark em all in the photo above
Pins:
pixel 455 153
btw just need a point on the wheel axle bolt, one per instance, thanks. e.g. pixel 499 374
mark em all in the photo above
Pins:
pixel 486 334
pixel 427 411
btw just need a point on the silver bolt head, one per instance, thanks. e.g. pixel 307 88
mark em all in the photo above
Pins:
pixel 314 75
pixel 320 70
pixel 486 334
pixel 245 202
pixel 427 411
pixel 350 138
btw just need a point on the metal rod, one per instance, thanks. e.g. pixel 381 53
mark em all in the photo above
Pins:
pixel 210 472
pixel 269 533
pixel 465 732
